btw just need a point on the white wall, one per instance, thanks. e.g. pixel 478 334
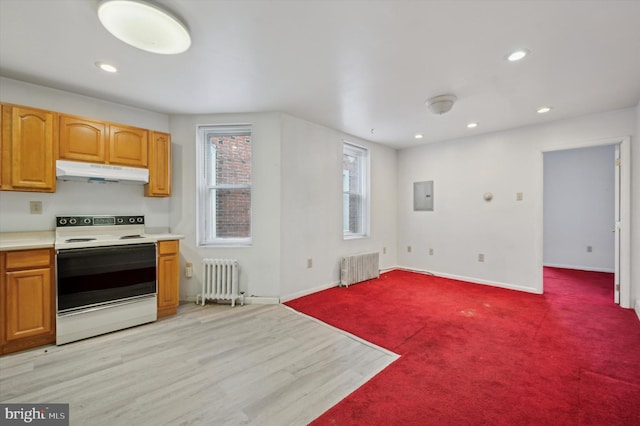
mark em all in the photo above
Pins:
pixel 79 197
pixel 579 196
pixel 312 206
pixel 507 231
pixel 635 217
pixel 260 262
pixel 296 205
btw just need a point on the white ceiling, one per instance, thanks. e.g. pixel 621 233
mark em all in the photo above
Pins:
pixel 350 65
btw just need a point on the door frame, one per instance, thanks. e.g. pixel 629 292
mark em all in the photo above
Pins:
pixel 623 275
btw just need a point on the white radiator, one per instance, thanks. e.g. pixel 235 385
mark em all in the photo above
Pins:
pixel 220 280
pixel 358 268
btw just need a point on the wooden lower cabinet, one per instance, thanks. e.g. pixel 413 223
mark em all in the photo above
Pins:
pixel 28 299
pixel 168 277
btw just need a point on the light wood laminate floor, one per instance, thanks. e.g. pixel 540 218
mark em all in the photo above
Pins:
pixel 212 365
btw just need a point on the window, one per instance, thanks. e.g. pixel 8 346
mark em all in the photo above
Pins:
pixel 355 187
pixel 224 185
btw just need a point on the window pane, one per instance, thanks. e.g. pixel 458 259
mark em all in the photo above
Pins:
pixel 355 214
pixel 233 213
pixel 233 159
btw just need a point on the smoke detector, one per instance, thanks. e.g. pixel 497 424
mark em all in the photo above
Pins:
pixel 441 104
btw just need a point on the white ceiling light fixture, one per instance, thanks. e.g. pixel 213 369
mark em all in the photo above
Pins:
pixel 543 110
pixel 418 136
pixel 106 67
pixel 144 25
pixel 517 55
pixel 441 104
pixel 472 125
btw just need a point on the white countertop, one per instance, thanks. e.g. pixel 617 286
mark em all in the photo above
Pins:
pixel 26 240
pixel 46 239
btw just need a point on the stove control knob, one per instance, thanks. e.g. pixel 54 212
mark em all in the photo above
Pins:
pixel 62 221
pixel 72 221
pixel 132 219
pixel 120 220
pixel 86 221
pixel 140 219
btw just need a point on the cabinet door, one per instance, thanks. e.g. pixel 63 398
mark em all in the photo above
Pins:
pixel 159 166
pixel 127 146
pixel 3 304
pixel 29 309
pixel 32 150
pixel 82 140
pixel 168 278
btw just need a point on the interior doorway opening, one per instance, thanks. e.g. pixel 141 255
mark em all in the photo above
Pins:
pixel 586 210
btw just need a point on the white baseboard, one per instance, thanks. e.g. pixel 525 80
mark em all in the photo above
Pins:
pixel 308 291
pixel 473 280
pixel 581 268
pixel 638 308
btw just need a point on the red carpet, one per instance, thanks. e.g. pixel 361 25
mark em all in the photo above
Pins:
pixel 473 354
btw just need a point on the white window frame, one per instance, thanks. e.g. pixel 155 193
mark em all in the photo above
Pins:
pixel 364 191
pixel 206 205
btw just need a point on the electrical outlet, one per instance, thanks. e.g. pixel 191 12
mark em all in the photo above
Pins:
pixel 384 250
pixel 408 249
pixel 35 207
pixel 188 269
pixel 589 249
pixel 480 257
pixel 430 252
pixel 309 263
pixel 519 196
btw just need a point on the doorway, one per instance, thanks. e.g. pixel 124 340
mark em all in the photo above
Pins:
pixel 586 203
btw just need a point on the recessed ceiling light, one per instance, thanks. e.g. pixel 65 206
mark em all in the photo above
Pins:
pixel 543 109
pixel 517 55
pixel 106 67
pixel 472 125
pixel 144 25
pixel 418 136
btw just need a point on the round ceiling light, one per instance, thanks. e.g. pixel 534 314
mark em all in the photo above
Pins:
pixel 144 25
pixel 106 67
pixel 517 55
pixel 441 104
pixel 543 110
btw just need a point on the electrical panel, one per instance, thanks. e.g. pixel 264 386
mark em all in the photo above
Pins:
pixel 423 196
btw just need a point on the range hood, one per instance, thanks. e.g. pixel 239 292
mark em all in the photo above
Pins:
pixel 93 172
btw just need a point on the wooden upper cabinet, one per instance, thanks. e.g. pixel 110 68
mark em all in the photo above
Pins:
pixel 82 139
pixel 128 145
pixel 31 149
pixel 159 166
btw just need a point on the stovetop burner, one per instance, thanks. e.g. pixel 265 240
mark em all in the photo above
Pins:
pixel 78 240
pixel 129 237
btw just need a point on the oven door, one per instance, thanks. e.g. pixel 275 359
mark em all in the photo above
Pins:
pixel 88 277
